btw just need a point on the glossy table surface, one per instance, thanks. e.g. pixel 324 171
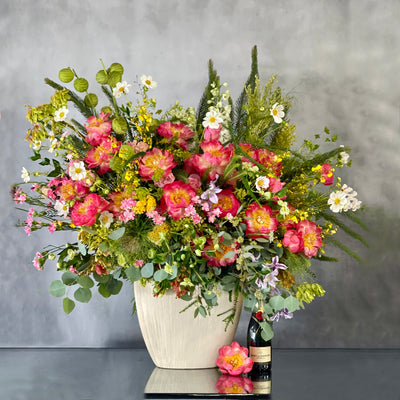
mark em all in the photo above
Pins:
pixel 119 374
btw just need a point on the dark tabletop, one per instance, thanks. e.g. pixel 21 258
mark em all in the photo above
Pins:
pixel 119 374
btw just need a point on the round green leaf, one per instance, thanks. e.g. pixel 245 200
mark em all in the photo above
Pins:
pixel 117 67
pixel 57 288
pixel 69 278
pixel 102 77
pixel 119 125
pixel 81 84
pixel 147 270
pixel 68 305
pixel 91 100
pixel 101 278
pixel 291 303
pixel 107 110
pixel 133 273
pixel 277 303
pixel 103 290
pixel 85 281
pixel 66 75
pixel 83 295
pixel 160 275
pixel 114 286
pixel 113 78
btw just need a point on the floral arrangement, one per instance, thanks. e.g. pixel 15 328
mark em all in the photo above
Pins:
pixel 195 201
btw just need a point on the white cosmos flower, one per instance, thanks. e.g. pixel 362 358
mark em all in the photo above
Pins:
pixel 61 114
pixel 77 171
pixel 53 145
pixel 147 81
pixel 212 120
pixel 337 201
pixel 277 112
pixel 344 157
pixel 61 208
pixel 121 88
pixel 25 175
pixel 262 183
pixel 106 219
pixel 36 145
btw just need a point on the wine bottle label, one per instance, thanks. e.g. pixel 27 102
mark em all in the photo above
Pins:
pixel 260 354
pixel 261 387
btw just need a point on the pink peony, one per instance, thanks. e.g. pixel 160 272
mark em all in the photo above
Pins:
pixel 69 189
pixel 311 234
pixel 165 179
pixel 212 134
pixel 260 220
pixel 99 157
pixel 270 160
pixel 176 198
pixel 327 176
pixel 293 241
pixel 98 129
pixel 234 360
pixel 156 160
pixel 178 133
pixel 194 181
pixel 85 213
pixel 234 384
pixel 139 147
pixel 227 203
pixel 249 149
pixel 275 185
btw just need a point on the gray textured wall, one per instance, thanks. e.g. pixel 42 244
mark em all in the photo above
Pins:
pixel 340 59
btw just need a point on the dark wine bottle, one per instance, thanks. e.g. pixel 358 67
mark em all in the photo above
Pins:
pixel 259 349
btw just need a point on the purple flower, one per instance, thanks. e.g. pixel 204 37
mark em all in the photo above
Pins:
pixel 282 313
pixel 275 264
pixel 211 193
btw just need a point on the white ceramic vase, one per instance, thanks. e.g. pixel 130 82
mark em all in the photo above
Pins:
pixel 178 340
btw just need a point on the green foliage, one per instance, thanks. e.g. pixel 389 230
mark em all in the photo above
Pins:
pixel 57 288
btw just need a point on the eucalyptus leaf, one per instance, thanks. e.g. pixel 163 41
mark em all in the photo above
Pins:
pixel 160 275
pixel 117 234
pixel 147 270
pixel 277 303
pixel 229 254
pixel 85 281
pixel 101 278
pixel 83 295
pixel 133 273
pixel 69 278
pixel 291 303
pixel 68 305
pixel 114 286
pixel 202 311
pixel 103 290
pixel 82 248
pixel 266 331
pixel 57 288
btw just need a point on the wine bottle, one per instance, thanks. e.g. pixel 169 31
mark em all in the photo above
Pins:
pixel 259 349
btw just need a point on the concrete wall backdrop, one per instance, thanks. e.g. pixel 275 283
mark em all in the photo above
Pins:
pixel 341 61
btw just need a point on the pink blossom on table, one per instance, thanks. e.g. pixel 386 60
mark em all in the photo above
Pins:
pixel 36 262
pixel 327 176
pixel 28 230
pixel 234 384
pixel 99 156
pixel 176 198
pixel 212 134
pixel 260 220
pixel 155 160
pixel 85 213
pixel 234 360
pixel 98 129
pixel 166 178
pixel 52 227
pixel 227 203
pixel 311 234
pixel 73 269
pixel 29 221
pixel 139 147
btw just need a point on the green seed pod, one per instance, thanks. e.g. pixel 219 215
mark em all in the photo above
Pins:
pixel 91 100
pixel 113 78
pixel 66 75
pixel 81 84
pixel 102 77
pixel 107 110
pixel 116 67
pixel 119 125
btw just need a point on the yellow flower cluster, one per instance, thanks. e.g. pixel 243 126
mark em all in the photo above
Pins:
pixel 146 205
pixel 159 233
pixel 307 291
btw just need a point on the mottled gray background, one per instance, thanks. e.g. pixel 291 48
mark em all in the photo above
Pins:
pixel 340 59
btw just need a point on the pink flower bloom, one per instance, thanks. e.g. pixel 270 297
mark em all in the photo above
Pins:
pixel 156 217
pixel 270 160
pixel 85 213
pixel 196 219
pixel 293 240
pixel 227 203
pixel 73 269
pixel 19 197
pixel 178 133
pixel 69 189
pixel 177 196
pixel 100 269
pixel 212 134
pixel 52 227
pixel 34 187
pixel 99 129
pixel 327 176
pixel 234 360
pixel 234 384
pixel 275 185
pixel 139 147
pixel 219 258
pixel 99 157
pixel 36 262
pixel 194 181
pixel 139 263
pixel 156 160
pixel 29 221
pixel 260 220
pixel 311 234
pixel 27 230
pixel 165 179
pixel 31 211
